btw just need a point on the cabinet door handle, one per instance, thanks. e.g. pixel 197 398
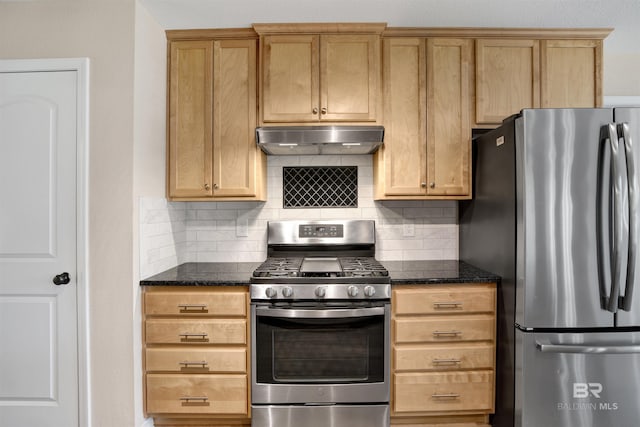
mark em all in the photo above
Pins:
pixel 445 396
pixel 324 110
pixel 193 308
pixel 195 364
pixel 195 400
pixel 315 110
pixel 447 304
pixel 439 334
pixel 447 361
pixel 432 185
pixel 190 336
pixel 207 186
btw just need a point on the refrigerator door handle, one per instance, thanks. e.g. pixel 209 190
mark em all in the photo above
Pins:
pixel 545 346
pixel 632 188
pixel 610 233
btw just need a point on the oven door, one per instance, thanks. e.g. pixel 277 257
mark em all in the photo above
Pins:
pixel 315 354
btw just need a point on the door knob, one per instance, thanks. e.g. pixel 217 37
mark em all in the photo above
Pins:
pixel 61 279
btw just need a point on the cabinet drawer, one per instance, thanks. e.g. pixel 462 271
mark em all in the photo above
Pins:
pixel 455 391
pixel 444 329
pixel 186 303
pixel 197 394
pixel 446 357
pixel 201 331
pixel 201 360
pixel 444 300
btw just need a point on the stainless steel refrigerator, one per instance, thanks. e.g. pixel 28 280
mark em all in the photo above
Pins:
pixel 555 213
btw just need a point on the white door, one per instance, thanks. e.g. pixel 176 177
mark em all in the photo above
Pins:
pixel 38 319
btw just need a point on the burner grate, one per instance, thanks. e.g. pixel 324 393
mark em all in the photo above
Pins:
pixel 362 267
pixel 279 267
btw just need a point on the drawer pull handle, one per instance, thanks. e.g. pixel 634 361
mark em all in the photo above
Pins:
pixel 451 396
pixel 196 364
pixel 195 400
pixel 193 308
pixel 439 334
pixel 190 336
pixel 447 305
pixel 447 361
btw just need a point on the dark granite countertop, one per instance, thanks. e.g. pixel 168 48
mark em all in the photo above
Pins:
pixel 401 272
pixel 436 272
pixel 204 274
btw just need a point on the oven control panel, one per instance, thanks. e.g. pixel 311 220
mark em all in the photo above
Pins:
pixel 321 230
pixel 358 292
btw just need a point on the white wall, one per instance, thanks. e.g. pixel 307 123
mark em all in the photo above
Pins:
pixel 148 156
pixel 103 31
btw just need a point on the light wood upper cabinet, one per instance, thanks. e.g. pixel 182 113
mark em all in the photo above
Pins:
pixel 448 117
pixel 320 77
pixel 190 147
pixel 236 159
pixel 571 73
pixel 427 98
pixel 512 74
pixel 507 78
pixel 402 160
pixel 212 152
pixel 290 78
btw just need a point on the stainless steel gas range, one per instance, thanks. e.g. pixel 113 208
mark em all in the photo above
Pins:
pixel 320 315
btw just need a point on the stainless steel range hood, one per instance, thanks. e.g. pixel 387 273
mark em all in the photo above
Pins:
pixel 307 140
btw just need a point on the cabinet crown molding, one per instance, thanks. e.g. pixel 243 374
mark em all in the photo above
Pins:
pixel 315 28
pixel 512 33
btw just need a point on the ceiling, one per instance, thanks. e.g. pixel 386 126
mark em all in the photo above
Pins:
pixel 621 15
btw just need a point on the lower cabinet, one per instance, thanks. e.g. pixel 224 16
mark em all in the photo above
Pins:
pixel 197 359
pixel 443 355
pixel 196 355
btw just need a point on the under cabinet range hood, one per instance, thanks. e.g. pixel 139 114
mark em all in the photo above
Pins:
pixel 308 140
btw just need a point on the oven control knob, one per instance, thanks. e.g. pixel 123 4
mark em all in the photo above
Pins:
pixel 352 291
pixel 321 292
pixel 369 291
pixel 270 292
pixel 287 292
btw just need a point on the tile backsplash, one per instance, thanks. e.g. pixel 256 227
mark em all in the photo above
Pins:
pixel 172 233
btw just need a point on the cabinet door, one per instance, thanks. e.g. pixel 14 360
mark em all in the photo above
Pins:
pixel 448 117
pixel 235 153
pixel 290 76
pixel 190 119
pixel 571 73
pixel 349 77
pixel 404 153
pixel 507 78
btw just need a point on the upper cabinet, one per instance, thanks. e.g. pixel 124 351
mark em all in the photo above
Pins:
pixel 429 87
pixel 427 98
pixel 542 71
pixel 507 78
pixel 571 73
pixel 320 73
pixel 212 153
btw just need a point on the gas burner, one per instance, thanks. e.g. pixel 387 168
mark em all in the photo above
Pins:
pixel 362 267
pixel 279 267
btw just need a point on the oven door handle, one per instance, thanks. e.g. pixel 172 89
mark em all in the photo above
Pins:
pixel 329 313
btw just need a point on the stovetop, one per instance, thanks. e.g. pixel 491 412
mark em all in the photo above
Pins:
pixel 320 267
pixel 320 260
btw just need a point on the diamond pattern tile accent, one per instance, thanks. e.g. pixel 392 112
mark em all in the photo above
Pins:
pixel 320 187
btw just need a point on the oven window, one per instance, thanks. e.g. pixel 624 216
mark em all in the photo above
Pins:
pixel 320 350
